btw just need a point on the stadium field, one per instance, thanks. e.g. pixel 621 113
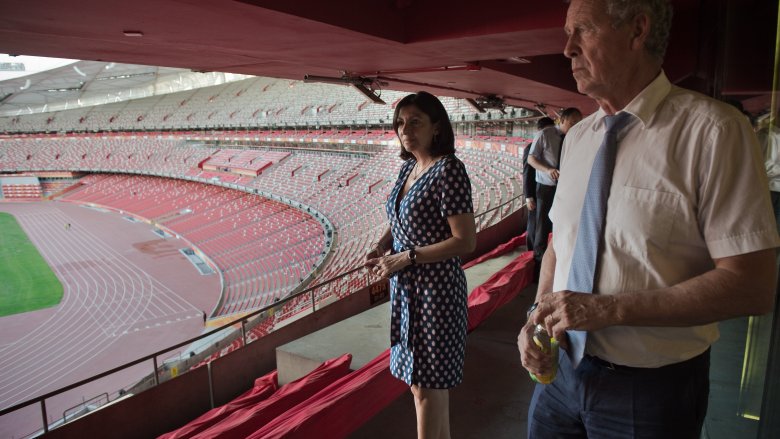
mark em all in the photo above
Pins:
pixel 26 281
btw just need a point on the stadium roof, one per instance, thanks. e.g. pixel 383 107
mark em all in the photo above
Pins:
pixel 85 83
pixel 508 48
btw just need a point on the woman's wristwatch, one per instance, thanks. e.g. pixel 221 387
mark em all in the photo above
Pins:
pixel 412 256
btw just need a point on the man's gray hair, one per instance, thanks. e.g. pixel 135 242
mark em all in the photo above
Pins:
pixel 658 11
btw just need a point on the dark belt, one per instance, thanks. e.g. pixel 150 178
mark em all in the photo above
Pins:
pixel 604 364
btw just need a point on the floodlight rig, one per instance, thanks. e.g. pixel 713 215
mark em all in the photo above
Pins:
pixel 476 105
pixel 367 86
pixel 488 102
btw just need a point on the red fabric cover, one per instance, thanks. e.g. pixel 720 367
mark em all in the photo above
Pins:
pixel 500 288
pixel 263 388
pixel 348 403
pixel 504 248
pixel 340 408
pixel 243 422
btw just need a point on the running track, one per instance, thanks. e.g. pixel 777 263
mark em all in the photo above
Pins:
pixel 112 311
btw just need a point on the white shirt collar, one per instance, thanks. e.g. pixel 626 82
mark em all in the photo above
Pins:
pixel 645 104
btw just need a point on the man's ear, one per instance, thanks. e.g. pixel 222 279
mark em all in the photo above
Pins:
pixel 640 29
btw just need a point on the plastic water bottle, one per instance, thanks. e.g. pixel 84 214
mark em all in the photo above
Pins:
pixel 548 345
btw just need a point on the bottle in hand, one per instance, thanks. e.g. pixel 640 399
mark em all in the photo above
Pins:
pixel 548 345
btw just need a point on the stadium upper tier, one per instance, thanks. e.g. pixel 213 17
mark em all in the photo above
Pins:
pixel 349 189
pixel 254 102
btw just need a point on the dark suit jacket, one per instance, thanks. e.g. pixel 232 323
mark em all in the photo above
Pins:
pixel 529 175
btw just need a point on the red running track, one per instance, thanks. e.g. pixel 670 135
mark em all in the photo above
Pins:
pixel 127 293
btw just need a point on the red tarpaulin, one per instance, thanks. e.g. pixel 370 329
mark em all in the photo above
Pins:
pixel 502 249
pixel 341 407
pixel 263 388
pixel 243 422
pixel 502 287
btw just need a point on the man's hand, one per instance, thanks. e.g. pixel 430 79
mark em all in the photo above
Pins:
pixel 531 203
pixel 531 356
pixel 554 174
pixel 565 310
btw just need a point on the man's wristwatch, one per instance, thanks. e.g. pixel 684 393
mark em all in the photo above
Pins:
pixel 412 256
pixel 531 309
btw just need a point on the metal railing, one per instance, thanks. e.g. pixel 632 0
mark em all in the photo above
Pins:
pixel 313 296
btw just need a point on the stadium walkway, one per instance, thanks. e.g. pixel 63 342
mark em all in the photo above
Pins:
pixel 492 402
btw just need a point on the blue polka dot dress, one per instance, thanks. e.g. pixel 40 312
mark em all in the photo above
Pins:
pixel 428 301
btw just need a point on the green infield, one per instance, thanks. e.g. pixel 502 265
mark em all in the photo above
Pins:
pixel 26 280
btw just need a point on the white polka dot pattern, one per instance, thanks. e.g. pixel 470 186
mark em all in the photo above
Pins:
pixel 428 301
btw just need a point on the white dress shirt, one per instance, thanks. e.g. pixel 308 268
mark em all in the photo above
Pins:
pixel 689 185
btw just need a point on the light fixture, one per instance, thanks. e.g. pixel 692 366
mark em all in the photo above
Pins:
pixel 125 76
pixel 518 60
pixel 133 33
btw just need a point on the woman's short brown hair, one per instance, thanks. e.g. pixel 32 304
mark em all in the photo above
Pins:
pixel 444 142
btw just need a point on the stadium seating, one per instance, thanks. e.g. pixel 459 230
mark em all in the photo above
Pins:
pixel 252 102
pixel 249 238
pixel 349 189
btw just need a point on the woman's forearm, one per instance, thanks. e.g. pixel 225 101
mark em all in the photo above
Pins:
pixel 449 248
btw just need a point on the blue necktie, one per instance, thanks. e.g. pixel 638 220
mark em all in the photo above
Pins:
pixel 591 230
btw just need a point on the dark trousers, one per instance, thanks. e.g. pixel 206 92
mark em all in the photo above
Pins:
pixel 775 196
pixel 530 230
pixel 544 200
pixel 600 400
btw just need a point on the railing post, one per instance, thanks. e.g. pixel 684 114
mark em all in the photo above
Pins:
pixel 312 301
pixel 243 331
pixel 43 413
pixel 156 378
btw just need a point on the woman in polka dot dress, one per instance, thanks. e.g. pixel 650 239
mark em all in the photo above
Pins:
pixel 431 225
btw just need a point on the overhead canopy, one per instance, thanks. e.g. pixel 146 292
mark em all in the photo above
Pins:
pixel 507 48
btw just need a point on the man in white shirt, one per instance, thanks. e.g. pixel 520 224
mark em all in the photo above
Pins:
pixel 529 183
pixel 770 145
pixel 679 251
pixel 544 156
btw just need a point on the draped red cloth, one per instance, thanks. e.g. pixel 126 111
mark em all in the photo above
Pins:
pixel 502 249
pixel 243 422
pixel 263 388
pixel 340 408
pixel 500 288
